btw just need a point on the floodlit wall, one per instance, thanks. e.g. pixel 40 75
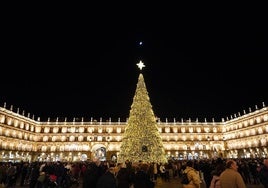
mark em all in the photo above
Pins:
pixel 24 138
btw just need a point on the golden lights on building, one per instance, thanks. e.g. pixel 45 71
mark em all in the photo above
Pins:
pixel 27 139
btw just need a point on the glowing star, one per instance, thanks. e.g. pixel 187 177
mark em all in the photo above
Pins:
pixel 140 43
pixel 140 65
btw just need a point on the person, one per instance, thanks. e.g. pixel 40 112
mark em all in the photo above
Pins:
pixel 24 171
pixel 263 173
pixel 219 168
pixel 123 177
pixel 141 178
pixel 162 170
pixel 155 171
pixel 215 182
pixel 230 177
pixel 107 180
pixel 193 176
pixel 91 175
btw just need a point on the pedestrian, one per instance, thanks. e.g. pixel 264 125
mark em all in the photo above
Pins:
pixel 215 182
pixel 123 177
pixel 162 170
pixel 141 178
pixel 193 176
pixel 230 177
pixel 91 175
pixel 107 180
pixel 263 173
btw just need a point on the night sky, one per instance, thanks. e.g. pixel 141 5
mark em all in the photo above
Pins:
pixel 201 64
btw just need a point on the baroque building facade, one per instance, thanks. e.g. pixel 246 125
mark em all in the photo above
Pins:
pixel 25 139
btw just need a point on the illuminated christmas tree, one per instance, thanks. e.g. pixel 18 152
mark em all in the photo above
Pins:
pixel 141 139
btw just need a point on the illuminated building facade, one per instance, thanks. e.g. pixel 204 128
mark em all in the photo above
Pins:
pixel 27 139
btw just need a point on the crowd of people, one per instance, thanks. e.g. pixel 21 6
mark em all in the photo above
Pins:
pixel 206 173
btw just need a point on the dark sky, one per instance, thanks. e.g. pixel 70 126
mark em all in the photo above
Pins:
pixel 200 63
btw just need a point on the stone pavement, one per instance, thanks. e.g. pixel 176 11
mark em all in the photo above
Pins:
pixel 173 183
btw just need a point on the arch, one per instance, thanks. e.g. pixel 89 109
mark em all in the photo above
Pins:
pixel 99 152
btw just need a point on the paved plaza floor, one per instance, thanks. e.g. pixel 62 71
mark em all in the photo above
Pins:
pixel 173 183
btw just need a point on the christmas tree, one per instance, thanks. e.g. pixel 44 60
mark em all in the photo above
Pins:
pixel 141 139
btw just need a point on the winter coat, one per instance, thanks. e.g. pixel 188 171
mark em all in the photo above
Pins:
pixel 123 178
pixel 215 182
pixel 91 176
pixel 194 178
pixel 142 180
pixel 230 178
pixel 107 180
pixel 263 175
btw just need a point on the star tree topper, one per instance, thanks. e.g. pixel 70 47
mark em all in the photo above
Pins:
pixel 140 65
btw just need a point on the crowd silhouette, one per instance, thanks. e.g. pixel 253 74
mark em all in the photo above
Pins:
pixel 103 174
